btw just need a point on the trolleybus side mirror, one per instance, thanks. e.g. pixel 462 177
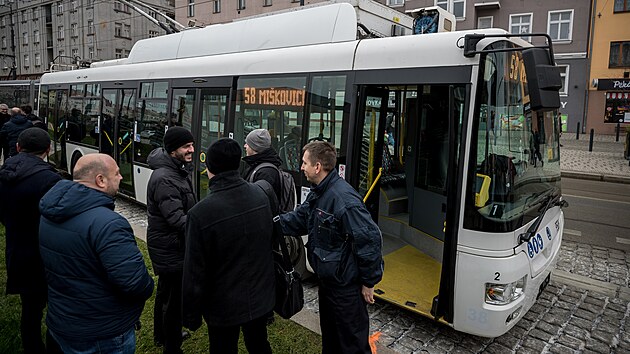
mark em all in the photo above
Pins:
pixel 543 79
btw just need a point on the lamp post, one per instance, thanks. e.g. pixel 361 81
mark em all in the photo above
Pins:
pixel 13 73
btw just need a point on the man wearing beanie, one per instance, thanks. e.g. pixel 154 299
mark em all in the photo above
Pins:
pixel 259 151
pixel 228 269
pixel 170 196
pixel 24 179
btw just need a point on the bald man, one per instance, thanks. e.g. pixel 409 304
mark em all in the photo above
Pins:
pixel 97 280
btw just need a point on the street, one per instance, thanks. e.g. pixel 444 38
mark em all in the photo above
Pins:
pixel 598 213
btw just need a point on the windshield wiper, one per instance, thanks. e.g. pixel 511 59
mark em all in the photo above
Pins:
pixel 552 200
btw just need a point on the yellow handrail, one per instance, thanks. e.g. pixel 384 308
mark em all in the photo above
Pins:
pixel 380 171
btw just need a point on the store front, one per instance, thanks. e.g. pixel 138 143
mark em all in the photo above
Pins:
pixel 609 105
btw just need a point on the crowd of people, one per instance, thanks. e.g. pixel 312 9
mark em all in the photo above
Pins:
pixel 68 250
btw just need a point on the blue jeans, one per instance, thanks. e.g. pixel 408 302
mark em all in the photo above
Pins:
pixel 121 344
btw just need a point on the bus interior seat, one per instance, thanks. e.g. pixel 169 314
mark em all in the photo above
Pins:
pixel 502 172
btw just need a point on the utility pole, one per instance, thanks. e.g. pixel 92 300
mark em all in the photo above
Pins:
pixel 13 72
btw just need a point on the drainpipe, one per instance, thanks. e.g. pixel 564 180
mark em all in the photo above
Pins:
pixel 589 41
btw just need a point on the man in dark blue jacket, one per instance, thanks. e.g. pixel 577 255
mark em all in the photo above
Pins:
pixel 344 249
pixel 12 129
pixel 97 279
pixel 24 179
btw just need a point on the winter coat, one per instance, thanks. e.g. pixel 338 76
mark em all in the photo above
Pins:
pixel 170 195
pixel 228 271
pixel 24 179
pixel 36 121
pixel 11 130
pixel 269 173
pixel 97 280
pixel 344 243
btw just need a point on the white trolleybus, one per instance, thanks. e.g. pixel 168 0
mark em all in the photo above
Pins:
pixel 451 138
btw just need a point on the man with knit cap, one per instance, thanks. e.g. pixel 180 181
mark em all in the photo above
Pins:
pixel 24 179
pixel 258 150
pixel 170 195
pixel 228 269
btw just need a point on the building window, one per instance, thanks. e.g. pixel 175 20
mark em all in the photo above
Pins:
pixel 75 53
pixel 485 22
pixel 62 53
pixel 152 14
pixel 191 8
pixel 60 8
pixel 560 25
pixel 456 7
pixel 90 27
pixel 3 21
pixel 89 3
pixel 564 77
pixel 395 2
pixel 153 34
pixel 73 6
pixel 27 61
pixel 216 6
pixel 619 55
pixel 127 31
pixel 117 29
pixel 24 38
pixel 4 42
pixel 241 4
pixel 622 5
pixel 38 59
pixel 118 6
pixel 24 16
pixel 91 52
pixel 75 30
pixel 267 3
pixel 617 104
pixel 60 32
pixel 119 53
pixel 35 16
pixel 521 23
pixel 36 36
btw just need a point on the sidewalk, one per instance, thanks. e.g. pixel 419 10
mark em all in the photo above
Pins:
pixel 605 163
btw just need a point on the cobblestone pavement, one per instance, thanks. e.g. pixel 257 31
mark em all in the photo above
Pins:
pixel 566 319
pixel 606 158
pixel 594 262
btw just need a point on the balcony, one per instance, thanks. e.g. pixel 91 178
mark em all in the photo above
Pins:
pixel 487 4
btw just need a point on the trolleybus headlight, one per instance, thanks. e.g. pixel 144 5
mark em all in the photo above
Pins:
pixel 503 294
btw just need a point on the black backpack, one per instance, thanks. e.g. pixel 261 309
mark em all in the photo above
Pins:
pixel 287 187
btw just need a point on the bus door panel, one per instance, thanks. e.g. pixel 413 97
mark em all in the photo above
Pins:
pixel 203 111
pixel 117 132
pixel 57 114
pixel 370 130
pixel 430 153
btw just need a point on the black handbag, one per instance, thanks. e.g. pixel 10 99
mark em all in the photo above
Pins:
pixel 289 291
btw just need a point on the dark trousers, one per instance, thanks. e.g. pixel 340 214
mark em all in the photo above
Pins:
pixel 31 322
pixel 343 319
pixel 167 313
pixel 224 340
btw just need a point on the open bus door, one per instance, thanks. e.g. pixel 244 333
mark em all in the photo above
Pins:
pixel 419 182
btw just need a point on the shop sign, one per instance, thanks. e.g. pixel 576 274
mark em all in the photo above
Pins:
pixel 613 84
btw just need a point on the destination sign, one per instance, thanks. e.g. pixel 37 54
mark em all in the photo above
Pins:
pixel 274 96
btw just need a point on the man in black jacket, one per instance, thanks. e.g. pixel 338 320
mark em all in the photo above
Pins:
pixel 24 179
pixel 12 129
pixel 4 118
pixel 170 196
pixel 258 150
pixel 228 269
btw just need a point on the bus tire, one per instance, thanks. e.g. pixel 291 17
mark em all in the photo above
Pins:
pixel 75 157
pixel 297 253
